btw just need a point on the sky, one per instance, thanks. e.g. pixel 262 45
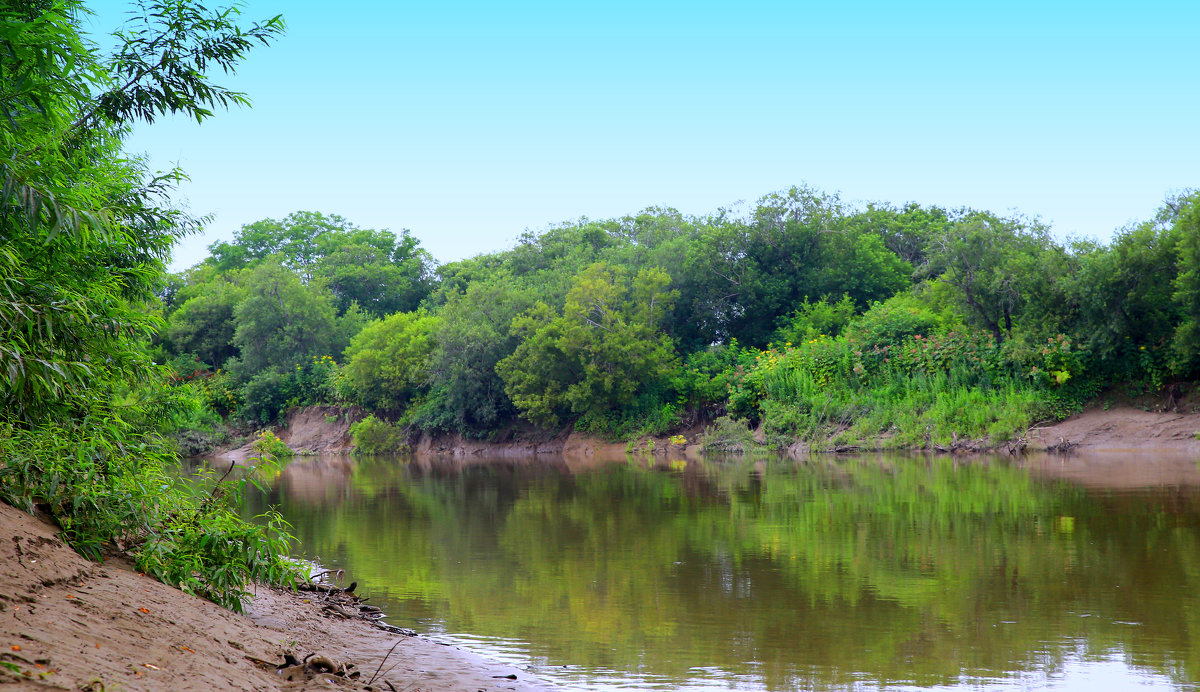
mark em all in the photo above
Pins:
pixel 469 123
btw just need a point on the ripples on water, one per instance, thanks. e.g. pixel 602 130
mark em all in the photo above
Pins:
pixel 835 573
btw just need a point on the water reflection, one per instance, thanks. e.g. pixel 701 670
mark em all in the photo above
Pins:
pixel 827 574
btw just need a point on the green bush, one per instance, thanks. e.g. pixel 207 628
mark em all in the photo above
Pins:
pixel 812 320
pixel 881 329
pixel 184 532
pixel 266 394
pixel 372 435
pixel 269 447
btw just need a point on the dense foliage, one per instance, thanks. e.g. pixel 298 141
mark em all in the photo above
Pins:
pixel 804 316
pixel 85 231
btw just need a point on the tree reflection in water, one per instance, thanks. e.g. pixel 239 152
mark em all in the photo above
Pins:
pixel 829 573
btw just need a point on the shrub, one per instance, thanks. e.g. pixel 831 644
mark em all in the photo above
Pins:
pixel 182 531
pixel 882 328
pixel 265 395
pixel 727 435
pixel 372 435
pixel 812 320
pixel 269 447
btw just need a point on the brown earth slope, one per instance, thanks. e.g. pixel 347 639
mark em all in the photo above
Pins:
pixel 67 623
pixel 1122 428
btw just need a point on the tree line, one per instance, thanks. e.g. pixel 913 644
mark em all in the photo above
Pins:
pixel 810 317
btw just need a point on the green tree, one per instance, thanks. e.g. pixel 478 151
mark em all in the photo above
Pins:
pixel 907 231
pixel 1186 227
pixel 467 395
pixel 993 264
pixel 203 325
pixel 744 275
pixel 281 321
pixel 382 272
pixel 596 355
pixel 387 362
pixel 379 271
pixel 294 239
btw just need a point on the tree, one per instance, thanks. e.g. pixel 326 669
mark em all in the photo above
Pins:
pixel 204 325
pixel 993 263
pixel 907 231
pixel 596 355
pixel 1185 211
pixel 85 232
pixel 744 275
pixel 294 240
pixel 281 321
pixel 473 335
pixel 382 272
pixel 387 362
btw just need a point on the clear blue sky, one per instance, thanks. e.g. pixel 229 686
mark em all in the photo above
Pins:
pixel 469 122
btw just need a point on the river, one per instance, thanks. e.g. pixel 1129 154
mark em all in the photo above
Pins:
pixel 835 573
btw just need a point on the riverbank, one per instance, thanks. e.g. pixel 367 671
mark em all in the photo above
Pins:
pixel 1122 428
pixel 73 624
pixel 1103 427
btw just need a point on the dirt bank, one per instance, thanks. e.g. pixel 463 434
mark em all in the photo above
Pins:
pixel 1122 428
pixel 72 624
pixel 307 430
pixel 325 430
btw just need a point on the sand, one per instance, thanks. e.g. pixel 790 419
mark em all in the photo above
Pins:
pixel 67 623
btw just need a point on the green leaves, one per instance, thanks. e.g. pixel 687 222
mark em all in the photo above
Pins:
pixel 387 362
pixel 596 355
pixel 84 234
pixel 168 51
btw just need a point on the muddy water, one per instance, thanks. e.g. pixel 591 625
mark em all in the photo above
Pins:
pixel 847 573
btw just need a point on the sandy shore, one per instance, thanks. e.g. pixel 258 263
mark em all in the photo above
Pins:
pixel 68 623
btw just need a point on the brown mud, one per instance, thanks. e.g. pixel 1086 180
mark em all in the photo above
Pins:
pixel 67 623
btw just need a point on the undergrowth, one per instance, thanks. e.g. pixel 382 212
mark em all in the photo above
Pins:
pixel 108 487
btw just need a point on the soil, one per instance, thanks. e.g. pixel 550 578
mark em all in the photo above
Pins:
pixel 308 431
pixel 67 623
pixel 1122 427
pixel 1113 423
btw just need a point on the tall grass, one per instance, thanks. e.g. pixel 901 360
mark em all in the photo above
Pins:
pixel 900 407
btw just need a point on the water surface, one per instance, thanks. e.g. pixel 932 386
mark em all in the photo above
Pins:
pixel 834 573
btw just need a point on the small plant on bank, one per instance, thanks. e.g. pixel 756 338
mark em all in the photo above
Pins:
pixel 268 443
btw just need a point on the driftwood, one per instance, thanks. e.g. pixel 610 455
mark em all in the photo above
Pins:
pixel 345 604
pixel 326 588
pixel 1062 446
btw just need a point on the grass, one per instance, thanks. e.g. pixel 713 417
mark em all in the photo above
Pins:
pixel 902 411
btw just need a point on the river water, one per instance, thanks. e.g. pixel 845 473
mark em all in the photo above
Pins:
pixel 861 573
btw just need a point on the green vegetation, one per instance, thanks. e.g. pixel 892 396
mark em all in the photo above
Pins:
pixel 374 436
pixel 805 318
pixel 85 231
